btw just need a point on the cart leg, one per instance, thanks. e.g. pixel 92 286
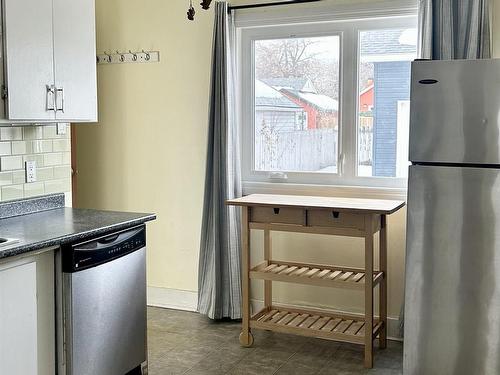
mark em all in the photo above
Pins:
pixel 369 291
pixel 246 338
pixel 383 283
pixel 268 285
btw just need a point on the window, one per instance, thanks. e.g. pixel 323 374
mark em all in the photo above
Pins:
pixel 296 107
pixel 327 102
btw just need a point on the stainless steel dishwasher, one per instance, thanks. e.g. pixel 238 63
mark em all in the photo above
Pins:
pixel 102 305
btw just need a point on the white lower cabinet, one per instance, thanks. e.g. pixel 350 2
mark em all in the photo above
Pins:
pixel 27 310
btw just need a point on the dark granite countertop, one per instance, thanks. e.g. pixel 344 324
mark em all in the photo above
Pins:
pixel 62 225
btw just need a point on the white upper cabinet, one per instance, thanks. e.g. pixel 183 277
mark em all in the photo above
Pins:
pixel 29 59
pixel 50 64
pixel 75 60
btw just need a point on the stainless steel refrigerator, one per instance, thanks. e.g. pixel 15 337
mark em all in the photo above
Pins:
pixel 452 293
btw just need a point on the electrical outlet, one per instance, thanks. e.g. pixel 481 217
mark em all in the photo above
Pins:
pixel 30 167
pixel 61 128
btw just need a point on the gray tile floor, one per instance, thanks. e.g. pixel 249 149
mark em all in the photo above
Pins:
pixel 188 343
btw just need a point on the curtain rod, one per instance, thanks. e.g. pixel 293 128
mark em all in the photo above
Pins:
pixel 248 6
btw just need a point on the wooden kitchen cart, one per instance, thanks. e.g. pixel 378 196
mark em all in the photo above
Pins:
pixel 317 215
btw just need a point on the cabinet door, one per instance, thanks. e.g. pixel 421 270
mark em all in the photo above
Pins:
pixel 18 320
pixel 27 316
pixel 29 61
pixel 75 60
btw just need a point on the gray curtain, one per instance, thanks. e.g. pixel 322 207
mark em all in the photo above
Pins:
pixel 454 29
pixel 219 280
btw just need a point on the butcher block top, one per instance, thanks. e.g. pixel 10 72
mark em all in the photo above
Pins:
pixel 360 205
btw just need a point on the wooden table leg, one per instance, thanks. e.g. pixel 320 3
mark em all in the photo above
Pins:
pixel 369 291
pixel 383 283
pixel 246 338
pixel 268 285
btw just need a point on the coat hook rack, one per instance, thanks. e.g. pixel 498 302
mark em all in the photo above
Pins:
pixel 128 57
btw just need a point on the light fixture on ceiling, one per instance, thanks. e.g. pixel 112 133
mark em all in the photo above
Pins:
pixel 205 4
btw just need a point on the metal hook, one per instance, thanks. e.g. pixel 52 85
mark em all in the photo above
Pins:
pixel 148 57
pixel 122 56
pixel 134 55
pixel 109 56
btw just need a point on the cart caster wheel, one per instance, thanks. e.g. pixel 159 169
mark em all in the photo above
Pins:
pixel 246 342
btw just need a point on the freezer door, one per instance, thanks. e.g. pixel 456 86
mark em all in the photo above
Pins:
pixel 452 296
pixel 455 108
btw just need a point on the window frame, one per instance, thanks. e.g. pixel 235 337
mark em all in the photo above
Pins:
pixel 348 28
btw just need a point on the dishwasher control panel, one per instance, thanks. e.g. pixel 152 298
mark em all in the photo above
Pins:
pixel 92 253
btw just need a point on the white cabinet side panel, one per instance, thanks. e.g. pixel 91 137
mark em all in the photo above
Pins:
pixel 46 314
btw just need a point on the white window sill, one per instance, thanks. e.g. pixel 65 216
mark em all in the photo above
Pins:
pixel 324 190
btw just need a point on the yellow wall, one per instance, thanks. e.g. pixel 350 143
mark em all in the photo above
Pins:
pixel 148 151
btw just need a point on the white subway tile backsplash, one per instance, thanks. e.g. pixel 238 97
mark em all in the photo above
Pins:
pixel 50 131
pixel 50 151
pixel 33 132
pixel 33 189
pixel 66 158
pixel 5 148
pixel 11 134
pixel 42 145
pixel 61 144
pixel 12 192
pixel 19 177
pixel 9 163
pixel 53 158
pixel 62 172
pixel 5 178
pixel 44 174
pixel 21 147
pixel 54 186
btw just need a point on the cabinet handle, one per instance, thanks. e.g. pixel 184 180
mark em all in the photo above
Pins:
pixel 50 98
pixel 59 99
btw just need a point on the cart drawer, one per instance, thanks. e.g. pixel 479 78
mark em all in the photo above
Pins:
pixel 281 215
pixel 328 218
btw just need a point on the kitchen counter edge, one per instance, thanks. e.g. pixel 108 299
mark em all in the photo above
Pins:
pixel 25 246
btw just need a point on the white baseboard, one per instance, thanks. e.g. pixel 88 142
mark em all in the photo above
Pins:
pixel 176 299
pixel 188 301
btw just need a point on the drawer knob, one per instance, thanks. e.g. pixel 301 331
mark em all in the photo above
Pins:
pixel 276 211
pixel 335 214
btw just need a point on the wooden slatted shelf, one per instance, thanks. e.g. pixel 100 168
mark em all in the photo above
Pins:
pixel 313 274
pixel 311 323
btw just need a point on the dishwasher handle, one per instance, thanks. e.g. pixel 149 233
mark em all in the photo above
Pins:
pixel 107 241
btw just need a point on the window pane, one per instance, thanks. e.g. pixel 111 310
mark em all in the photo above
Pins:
pixel 297 104
pixel 384 94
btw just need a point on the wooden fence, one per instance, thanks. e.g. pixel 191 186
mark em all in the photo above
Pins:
pixel 365 140
pixel 302 150
pixel 305 150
